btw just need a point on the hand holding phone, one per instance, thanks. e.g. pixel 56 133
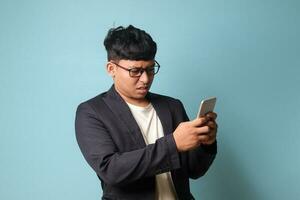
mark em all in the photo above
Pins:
pixel 184 134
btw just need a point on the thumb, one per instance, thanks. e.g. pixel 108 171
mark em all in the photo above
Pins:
pixel 199 121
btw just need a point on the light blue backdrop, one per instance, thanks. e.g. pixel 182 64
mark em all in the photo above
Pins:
pixel 244 52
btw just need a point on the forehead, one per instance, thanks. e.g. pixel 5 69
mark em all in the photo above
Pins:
pixel 136 63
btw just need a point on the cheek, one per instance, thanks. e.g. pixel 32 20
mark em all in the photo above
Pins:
pixel 151 79
pixel 132 84
pixel 128 84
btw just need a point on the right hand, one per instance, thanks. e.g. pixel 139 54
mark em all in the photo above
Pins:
pixel 189 135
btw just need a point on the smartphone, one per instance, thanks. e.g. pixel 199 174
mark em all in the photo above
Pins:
pixel 206 105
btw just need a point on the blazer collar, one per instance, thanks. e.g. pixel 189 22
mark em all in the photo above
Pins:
pixel 120 108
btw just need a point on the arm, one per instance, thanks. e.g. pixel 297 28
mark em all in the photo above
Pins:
pixel 120 168
pixel 199 159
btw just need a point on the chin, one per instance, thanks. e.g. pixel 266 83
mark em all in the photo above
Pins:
pixel 140 95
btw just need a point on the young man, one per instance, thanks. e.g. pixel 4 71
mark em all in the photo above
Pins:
pixel 141 145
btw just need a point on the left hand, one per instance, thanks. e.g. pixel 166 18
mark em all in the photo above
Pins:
pixel 212 134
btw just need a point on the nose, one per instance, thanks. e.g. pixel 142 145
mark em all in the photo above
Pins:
pixel 144 77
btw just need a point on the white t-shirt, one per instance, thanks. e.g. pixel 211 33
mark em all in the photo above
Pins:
pixel 152 129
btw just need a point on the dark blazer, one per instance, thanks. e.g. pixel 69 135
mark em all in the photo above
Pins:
pixel 113 145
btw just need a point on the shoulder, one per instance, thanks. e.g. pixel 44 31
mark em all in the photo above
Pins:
pixel 93 103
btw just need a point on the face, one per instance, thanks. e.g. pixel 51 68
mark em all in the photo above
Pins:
pixel 132 89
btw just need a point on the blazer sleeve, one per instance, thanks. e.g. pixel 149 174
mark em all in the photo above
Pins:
pixel 120 168
pixel 199 159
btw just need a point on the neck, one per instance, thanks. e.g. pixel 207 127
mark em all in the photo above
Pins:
pixel 137 102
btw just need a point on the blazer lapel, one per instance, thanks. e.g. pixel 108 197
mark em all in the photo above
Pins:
pixel 119 107
pixel 163 111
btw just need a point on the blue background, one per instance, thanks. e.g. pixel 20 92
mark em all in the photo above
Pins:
pixel 244 52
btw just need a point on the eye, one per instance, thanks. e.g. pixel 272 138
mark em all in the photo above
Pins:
pixel 151 70
pixel 135 70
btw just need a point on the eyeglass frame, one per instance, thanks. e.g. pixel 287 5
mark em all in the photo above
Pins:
pixel 140 68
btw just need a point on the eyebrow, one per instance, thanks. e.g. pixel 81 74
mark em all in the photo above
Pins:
pixel 142 67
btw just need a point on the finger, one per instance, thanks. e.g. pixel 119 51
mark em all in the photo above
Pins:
pixel 199 121
pixel 208 142
pixel 212 124
pixel 212 136
pixel 203 138
pixel 203 130
pixel 211 115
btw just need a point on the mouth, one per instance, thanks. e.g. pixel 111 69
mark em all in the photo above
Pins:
pixel 143 89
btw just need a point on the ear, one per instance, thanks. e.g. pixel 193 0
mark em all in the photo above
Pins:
pixel 111 69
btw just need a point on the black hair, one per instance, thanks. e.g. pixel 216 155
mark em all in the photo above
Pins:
pixel 129 43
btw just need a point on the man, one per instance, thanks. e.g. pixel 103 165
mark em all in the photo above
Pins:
pixel 141 145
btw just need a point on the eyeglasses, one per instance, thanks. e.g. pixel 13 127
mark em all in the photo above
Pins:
pixel 138 71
